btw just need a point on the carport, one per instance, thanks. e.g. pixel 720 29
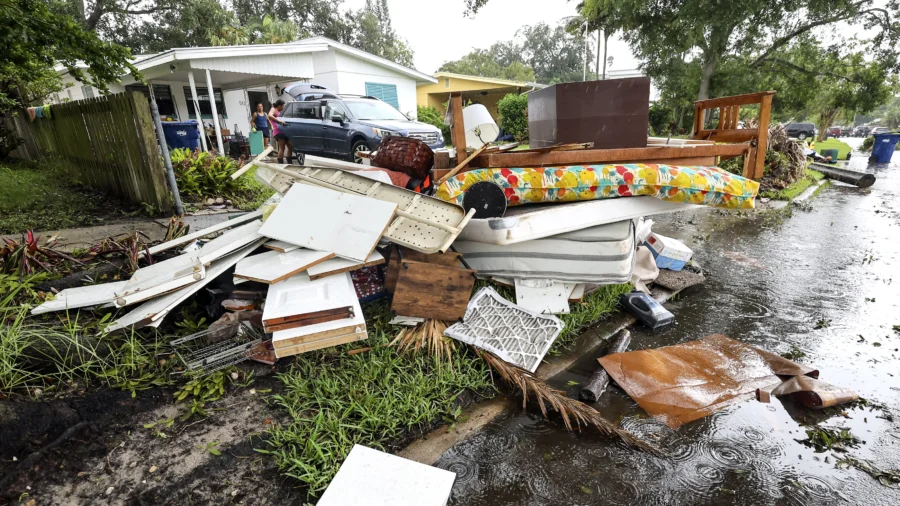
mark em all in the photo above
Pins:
pixel 228 68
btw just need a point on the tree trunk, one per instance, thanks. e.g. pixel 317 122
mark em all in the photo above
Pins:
pixel 605 44
pixel 706 73
pixel 597 67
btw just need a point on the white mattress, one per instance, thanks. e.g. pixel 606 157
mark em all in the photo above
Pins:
pixel 570 257
pixel 530 222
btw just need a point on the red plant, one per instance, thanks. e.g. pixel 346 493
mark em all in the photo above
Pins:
pixel 24 257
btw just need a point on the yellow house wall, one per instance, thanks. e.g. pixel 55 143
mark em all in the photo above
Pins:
pixel 436 95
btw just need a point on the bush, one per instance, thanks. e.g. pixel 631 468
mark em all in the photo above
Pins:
pixel 868 142
pixel 662 120
pixel 202 175
pixel 433 117
pixel 514 115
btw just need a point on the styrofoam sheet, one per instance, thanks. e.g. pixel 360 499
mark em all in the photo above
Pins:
pixel 544 296
pixel 82 296
pixel 327 220
pixel 403 231
pixel 338 265
pixel 369 477
pixel 559 259
pixel 530 222
pixel 511 332
pixel 153 311
pixel 300 295
pixel 274 266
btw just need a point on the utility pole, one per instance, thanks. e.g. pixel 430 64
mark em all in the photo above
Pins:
pixel 584 77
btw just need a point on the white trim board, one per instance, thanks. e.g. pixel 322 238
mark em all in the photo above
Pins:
pixel 82 296
pixel 299 295
pixel 284 247
pixel 327 220
pixel 339 265
pixel 273 266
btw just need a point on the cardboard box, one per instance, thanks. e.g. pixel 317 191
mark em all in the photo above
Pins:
pixel 669 253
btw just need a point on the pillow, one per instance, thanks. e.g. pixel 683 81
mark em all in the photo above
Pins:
pixel 709 186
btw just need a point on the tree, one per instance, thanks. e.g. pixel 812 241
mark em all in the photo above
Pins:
pixel 36 39
pixel 538 53
pixel 756 30
pixel 193 23
pixel 375 35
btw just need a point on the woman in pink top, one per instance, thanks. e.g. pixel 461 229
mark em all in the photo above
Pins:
pixel 284 143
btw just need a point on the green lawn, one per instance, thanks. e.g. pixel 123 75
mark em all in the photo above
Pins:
pixel 40 196
pixel 796 188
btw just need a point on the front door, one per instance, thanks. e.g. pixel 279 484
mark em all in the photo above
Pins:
pixel 304 127
pixel 337 133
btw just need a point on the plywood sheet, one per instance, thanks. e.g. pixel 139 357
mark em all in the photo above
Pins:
pixel 327 220
pixel 300 335
pixel 274 266
pixel 281 246
pixel 321 343
pixel 339 265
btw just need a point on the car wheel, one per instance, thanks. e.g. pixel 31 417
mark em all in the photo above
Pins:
pixel 802 136
pixel 358 146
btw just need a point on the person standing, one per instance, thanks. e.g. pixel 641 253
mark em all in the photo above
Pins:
pixel 261 123
pixel 284 143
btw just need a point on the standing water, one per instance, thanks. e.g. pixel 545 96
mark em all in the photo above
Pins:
pixel 818 283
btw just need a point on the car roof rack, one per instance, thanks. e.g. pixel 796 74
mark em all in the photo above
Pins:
pixel 347 95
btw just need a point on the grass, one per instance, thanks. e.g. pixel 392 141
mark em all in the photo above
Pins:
pixel 41 196
pixel 795 188
pixel 377 399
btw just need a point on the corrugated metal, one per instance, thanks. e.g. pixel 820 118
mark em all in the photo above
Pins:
pixel 287 65
pixel 385 92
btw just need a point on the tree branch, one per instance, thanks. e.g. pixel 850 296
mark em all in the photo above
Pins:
pixel 806 28
pixel 798 68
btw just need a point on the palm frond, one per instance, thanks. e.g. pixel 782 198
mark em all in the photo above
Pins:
pixel 428 336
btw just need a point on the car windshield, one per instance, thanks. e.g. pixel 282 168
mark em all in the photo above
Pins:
pixel 374 110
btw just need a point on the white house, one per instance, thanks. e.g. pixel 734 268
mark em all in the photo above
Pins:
pixel 242 76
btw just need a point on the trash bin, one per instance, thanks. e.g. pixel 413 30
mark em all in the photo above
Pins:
pixel 833 153
pixel 181 134
pixel 884 146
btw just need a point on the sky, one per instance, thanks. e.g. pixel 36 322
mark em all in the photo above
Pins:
pixel 438 30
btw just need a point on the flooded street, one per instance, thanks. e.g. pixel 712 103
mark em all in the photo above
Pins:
pixel 823 283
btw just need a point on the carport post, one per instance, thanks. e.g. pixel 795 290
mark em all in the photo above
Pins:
pixel 197 109
pixel 215 113
pixel 170 173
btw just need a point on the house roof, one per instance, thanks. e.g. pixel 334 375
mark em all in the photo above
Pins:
pixel 490 80
pixel 309 45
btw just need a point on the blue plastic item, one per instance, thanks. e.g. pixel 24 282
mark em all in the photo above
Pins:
pixel 181 134
pixel 884 146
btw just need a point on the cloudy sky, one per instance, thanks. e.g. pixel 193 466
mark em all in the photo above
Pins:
pixel 438 31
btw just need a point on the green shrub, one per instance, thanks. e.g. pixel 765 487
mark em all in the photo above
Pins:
pixel 433 117
pixel 868 142
pixel 662 119
pixel 202 175
pixel 514 115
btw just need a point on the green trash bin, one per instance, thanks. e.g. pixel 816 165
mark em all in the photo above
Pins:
pixel 833 153
pixel 256 143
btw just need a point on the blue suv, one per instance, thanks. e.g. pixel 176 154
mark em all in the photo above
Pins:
pixel 338 127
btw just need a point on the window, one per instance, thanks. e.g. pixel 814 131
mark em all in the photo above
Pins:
pixel 303 110
pixel 368 109
pixel 87 91
pixel 163 95
pixel 335 109
pixel 446 82
pixel 203 98
pixel 384 92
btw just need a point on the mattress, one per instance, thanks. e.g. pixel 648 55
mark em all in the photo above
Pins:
pixel 526 223
pixel 576 256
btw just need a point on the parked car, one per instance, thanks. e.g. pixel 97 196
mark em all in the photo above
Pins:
pixel 861 131
pixel 835 131
pixel 338 127
pixel 800 130
pixel 879 130
pixel 847 131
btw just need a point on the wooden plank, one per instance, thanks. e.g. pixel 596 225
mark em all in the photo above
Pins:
pixel 273 266
pixel 300 335
pixel 304 322
pixel 340 265
pixel 320 344
pixel 281 246
pixel 449 259
pixel 722 118
pixel 762 143
pixel 729 135
pixel 749 98
pixel 327 220
pixel 601 156
pixel 434 291
pixel 462 164
pixel 458 127
pixel 150 150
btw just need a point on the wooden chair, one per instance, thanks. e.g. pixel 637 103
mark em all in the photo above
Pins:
pixel 727 129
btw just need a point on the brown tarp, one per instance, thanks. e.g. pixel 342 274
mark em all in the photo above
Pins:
pixel 811 392
pixel 688 381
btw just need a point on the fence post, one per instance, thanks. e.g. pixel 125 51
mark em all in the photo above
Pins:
pixel 170 173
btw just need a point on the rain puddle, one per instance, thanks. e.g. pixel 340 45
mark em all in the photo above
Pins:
pixel 818 285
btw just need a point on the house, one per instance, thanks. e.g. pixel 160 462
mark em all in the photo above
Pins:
pixel 479 90
pixel 243 76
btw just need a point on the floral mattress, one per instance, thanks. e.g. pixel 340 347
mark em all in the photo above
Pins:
pixel 709 186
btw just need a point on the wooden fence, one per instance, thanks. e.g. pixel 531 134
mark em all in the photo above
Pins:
pixel 109 143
